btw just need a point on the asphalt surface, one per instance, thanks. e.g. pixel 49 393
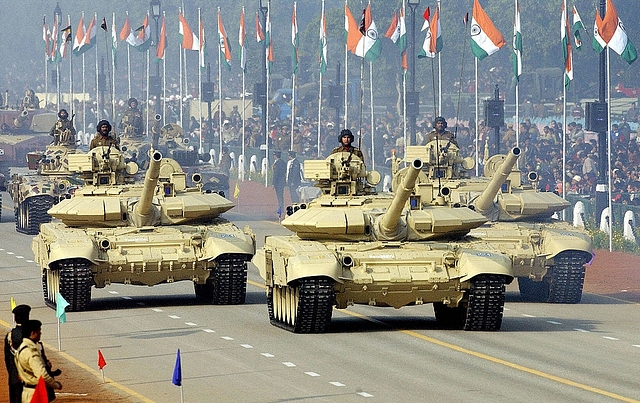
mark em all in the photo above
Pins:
pixel 587 352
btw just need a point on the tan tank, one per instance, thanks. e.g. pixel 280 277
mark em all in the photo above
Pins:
pixel 162 231
pixel 47 182
pixel 353 246
pixel 548 255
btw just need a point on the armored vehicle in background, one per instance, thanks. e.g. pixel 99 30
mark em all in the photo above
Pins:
pixel 21 132
pixel 174 144
pixel 115 231
pixel 48 181
pixel 353 246
pixel 548 255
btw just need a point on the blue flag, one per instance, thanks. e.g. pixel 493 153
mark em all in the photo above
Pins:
pixel 177 371
pixel 61 304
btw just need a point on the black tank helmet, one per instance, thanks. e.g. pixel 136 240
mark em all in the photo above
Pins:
pixel 440 119
pixel 345 132
pixel 60 113
pixel 132 100
pixel 104 122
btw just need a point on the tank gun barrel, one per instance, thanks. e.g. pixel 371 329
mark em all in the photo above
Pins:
pixel 150 182
pixel 390 220
pixel 19 121
pixel 484 202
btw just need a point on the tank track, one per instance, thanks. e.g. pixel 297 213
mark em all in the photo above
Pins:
pixel 305 306
pixel 567 278
pixel 563 282
pixel 227 284
pixel 485 304
pixel 31 213
pixel 76 280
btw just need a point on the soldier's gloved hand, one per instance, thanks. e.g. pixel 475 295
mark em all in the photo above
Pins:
pixel 57 372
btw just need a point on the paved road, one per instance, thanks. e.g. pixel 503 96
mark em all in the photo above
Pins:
pixel 587 352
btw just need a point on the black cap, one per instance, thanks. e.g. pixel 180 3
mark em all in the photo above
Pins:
pixel 292 154
pixel 277 153
pixel 104 122
pixel 21 313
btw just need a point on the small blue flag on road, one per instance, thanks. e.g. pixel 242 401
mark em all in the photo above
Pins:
pixel 177 371
pixel 61 304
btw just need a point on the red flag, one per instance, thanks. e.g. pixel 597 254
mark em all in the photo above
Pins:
pixel 101 361
pixel 40 394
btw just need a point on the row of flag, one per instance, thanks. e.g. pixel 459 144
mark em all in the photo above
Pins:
pixel 361 38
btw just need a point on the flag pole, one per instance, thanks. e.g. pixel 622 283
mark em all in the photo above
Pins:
pixel 113 67
pixel 147 89
pixel 164 77
pixel 346 79
pixel 404 112
pixel 373 160
pixel 68 51
pixel 241 167
pixel 46 61
pixel 220 56
pixel 84 98
pixel 476 123
pixel 439 69
pixel 95 18
pixel 59 342
pixel 321 74
pixel 128 65
pixel 200 60
pixel 293 74
pixel 266 129
pixel 109 62
pixel 609 152
pixel 180 77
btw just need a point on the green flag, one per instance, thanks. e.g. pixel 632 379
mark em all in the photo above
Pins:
pixel 61 304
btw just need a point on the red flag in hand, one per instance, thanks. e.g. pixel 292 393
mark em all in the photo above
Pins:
pixel 40 394
pixel 101 361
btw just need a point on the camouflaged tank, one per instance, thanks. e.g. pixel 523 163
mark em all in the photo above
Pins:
pixel 47 182
pixel 353 246
pixel 548 255
pixel 162 231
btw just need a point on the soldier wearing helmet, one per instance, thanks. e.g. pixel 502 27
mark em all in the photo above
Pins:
pixel 63 132
pixel 345 139
pixel 131 123
pixel 440 132
pixel 103 137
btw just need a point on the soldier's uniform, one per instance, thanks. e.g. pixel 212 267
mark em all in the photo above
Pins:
pixel 446 135
pixel 100 140
pixel 63 132
pixel 131 124
pixel 343 149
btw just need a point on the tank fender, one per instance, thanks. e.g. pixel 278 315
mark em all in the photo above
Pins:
pixel 61 249
pixel 473 262
pixel 226 241
pixel 556 241
pixel 315 264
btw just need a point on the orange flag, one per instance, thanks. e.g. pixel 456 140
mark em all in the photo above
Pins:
pixel 101 361
pixel 40 394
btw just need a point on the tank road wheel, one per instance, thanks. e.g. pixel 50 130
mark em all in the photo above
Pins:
pixel 228 281
pixel 50 286
pixel 485 303
pixel 31 213
pixel 74 279
pixel 534 291
pixel 305 306
pixel 566 278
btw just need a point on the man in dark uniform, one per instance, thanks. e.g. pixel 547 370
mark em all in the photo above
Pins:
pixel 131 123
pixel 346 138
pixel 12 341
pixel 440 132
pixel 293 176
pixel 279 180
pixel 102 137
pixel 63 132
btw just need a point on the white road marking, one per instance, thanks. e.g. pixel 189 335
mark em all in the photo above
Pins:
pixel 581 330
pixel 246 345
pixel 114 292
pixel 268 355
pixel 174 316
pixel 190 324
pixel 10 253
pixel 528 316
pixel 636 345
pixel 29 261
pixel 20 257
pixel 609 338
pixel 226 338
pixel 312 373
pixel 339 384
pixel 208 330
pixel 289 364
pixel 156 310
pixel 553 322
pixel 128 298
pixel 364 394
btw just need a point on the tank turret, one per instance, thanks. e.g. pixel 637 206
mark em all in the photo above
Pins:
pixel 113 230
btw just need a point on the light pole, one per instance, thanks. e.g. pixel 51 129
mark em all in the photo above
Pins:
pixel 602 190
pixel 413 97
pixel 154 7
